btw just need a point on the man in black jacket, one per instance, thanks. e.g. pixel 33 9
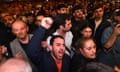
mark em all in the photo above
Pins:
pixel 53 61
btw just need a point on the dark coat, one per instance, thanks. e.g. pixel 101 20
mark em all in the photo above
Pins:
pixel 98 34
pixel 42 59
pixel 78 61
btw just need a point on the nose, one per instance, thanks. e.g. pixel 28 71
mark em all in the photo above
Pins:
pixel 94 50
pixel 62 47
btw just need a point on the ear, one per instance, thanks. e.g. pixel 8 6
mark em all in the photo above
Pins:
pixel 50 47
pixel 81 51
pixel 73 14
pixel 58 11
pixel 61 27
pixel 12 31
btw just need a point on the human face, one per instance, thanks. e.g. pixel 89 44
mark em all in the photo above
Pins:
pixel 39 19
pixel 89 49
pixel 87 32
pixel 8 20
pixel 78 14
pixel 68 25
pixel 99 13
pixel 58 49
pixel 62 11
pixel 117 18
pixel 30 19
pixel 20 29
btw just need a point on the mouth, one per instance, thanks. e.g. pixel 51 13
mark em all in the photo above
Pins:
pixel 61 53
pixel 93 55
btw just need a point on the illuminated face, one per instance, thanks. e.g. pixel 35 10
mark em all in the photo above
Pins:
pixel 58 49
pixel 68 25
pixel 117 18
pixel 99 13
pixel 20 29
pixel 63 11
pixel 30 19
pixel 89 49
pixel 87 32
pixel 39 19
pixel 8 20
pixel 78 13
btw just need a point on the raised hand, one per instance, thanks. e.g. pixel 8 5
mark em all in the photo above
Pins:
pixel 116 30
pixel 47 22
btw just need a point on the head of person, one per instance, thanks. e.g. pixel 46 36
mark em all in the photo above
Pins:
pixel 87 47
pixel 78 12
pixel 15 65
pixel 38 7
pixel 86 31
pixel 117 15
pixel 62 9
pixel 98 11
pixel 96 67
pixel 20 29
pixel 8 20
pixel 30 18
pixel 39 18
pixel 57 47
pixel 63 22
pixel 53 12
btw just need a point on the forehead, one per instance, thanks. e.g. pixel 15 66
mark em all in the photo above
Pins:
pixel 63 8
pixel 78 10
pixel 67 20
pixel 90 42
pixel 87 28
pixel 40 17
pixel 18 24
pixel 99 9
pixel 58 40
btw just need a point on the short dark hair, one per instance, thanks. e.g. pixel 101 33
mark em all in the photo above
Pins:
pixel 60 20
pixel 77 7
pixel 30 14
pixel 61 6
pixel 95 67
pixel 54 37
pixel 41 13
pixel 98 5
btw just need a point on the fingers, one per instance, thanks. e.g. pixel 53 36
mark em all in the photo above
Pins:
pixel 19 55
pixel 3 49
pixel 46 22
pixel 116 69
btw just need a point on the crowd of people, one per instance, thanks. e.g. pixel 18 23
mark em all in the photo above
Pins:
pixel 83 36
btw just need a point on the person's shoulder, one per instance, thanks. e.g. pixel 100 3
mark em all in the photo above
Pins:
pixel 110 28
pixel 14 40
pixel 66 57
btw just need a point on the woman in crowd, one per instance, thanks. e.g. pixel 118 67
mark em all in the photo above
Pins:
pixel 86 52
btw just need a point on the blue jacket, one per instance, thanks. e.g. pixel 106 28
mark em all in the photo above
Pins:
pixel 42 59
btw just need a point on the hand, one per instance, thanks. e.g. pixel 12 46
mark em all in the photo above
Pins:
pixel 46 22
pixel 19 56
pixel 3 49
pixel 116 30
pixel 116 69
